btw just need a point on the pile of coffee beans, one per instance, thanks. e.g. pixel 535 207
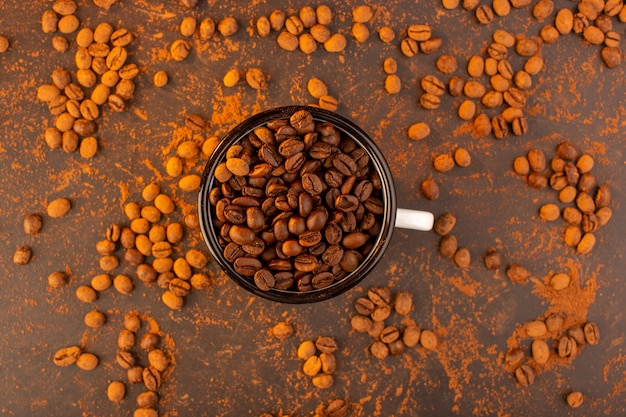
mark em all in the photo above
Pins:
pixel 204 30
pixel 103 76
pixel 152 374
pixel 319 360
pixel 318 90
pixel 296 204
pixel 303 31
pixel 75 355
pixel 150 244
pixel 419 38
pixel 448 245
pixel 127 357
pixel 550 340
pixel 569 173
pixel 373 311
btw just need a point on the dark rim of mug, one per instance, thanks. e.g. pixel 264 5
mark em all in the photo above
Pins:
pixel 348 128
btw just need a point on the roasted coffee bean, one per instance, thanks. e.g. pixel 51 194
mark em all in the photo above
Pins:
pixel 567 347
pixel 247 266
pixel 592 333
pixel 492 259
pixel 151 378
pixel 517 273
pixel 525 375
pixel 444 224
pixel 448 246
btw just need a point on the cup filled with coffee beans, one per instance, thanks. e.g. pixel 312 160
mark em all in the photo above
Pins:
pixel 297 204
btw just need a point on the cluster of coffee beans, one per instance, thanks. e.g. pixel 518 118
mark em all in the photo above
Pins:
pixel 75 355
pixel 60 18
pixel 375 308
pixel 151 375
pixel 567 343
pixel 296 204
pixel 569 173
pixel 318 90
pixel 32 225
pixel 256 78
pixel 444 163
pixel 192 147
pixel 448 245
pixel 419 38
pixel 592 19
pixel 150 244
pixel 204 30
pixel 103 76
pixel 304 30
pixel 361 18
pixel 319 360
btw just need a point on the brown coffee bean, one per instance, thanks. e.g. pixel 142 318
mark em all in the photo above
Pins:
pixel 87 361
pixel 492 259
pixel 446 64
pixel 57 279
pixel 66 356
pixel 575 399
pixel 379 350
pixel 586 244
pixel 559 281
pixel 123 284
pixel 611 56
pixel 94 319
pixel 444 224
pixel 540 351
pixel 481 125
pixel 116 391
pixel 409 47
pixel 456 86
pixel 443 162
pixel 554 322
pixel 430 189
pixel 517 273
pixel 428 339
pixel 484 14
pixel 361 323
pixel 86 294
pixel 448 246
pixel 549 212
pixel 403 303
pixel 525 375
pixel 151 378
pixel 592 333
pixel 462 258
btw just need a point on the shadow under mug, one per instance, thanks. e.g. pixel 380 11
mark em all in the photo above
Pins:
pixel 392 215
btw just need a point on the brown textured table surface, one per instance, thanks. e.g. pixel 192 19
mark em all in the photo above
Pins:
pixel 225 360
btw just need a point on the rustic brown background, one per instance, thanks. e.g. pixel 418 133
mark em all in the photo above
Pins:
pixel 227 364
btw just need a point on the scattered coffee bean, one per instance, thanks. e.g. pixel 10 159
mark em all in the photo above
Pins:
pixel 430 189
pixel 517 274
pixel 525 375
pixel 575 399
pixel 492 259
pixel 116 391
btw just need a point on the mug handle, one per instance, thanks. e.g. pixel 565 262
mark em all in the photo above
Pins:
pixel 414 219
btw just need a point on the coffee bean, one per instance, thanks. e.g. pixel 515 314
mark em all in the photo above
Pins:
pixel 379 350
pixel 592 333
pixel 514 356
pixel 575 399
pixel 559 281
pixel 361 324
pixel 151 378
pixel 540 351
pixel 448 246
pixel 428 339
pixel 444 224
pixel 418 131
pixel 525 375
pixel 517 273
pixel 430 189
pixel 462 258
pixel 403 303
pixel 484 14
pixel 116 391
pixel 87 361
pixel 554 322
pixel 66 356
pixel 57 279
pixel 94 319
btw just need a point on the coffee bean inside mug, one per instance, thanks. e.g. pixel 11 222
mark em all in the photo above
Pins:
pixel 297 204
